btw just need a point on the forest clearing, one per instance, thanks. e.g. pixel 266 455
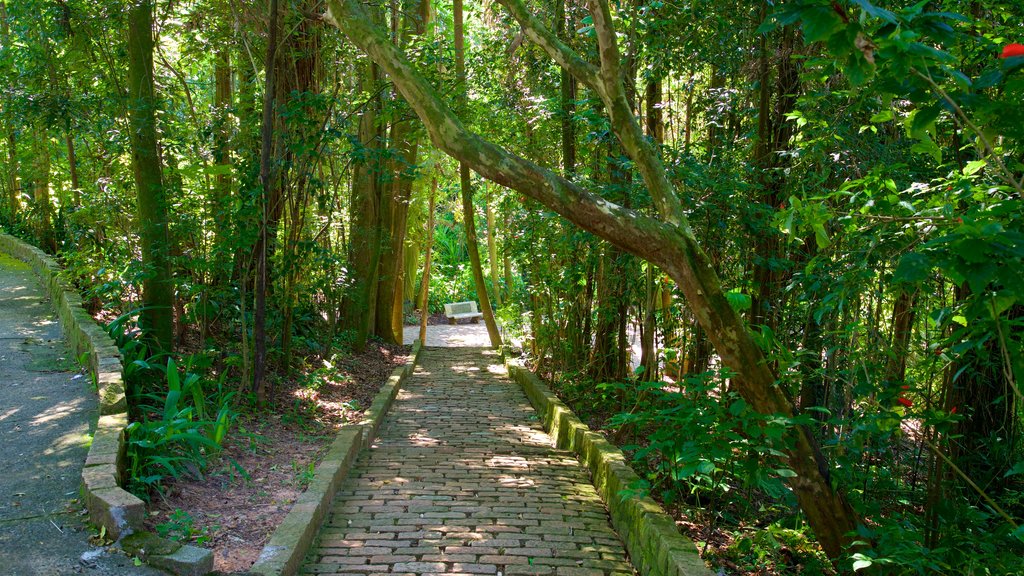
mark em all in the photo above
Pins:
pixel 517 286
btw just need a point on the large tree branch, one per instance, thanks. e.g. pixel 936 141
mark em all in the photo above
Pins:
pixel 557 50
pixel 607 83
pixel 670 245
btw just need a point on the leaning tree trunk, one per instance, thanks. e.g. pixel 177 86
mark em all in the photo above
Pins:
pixel 157 319
pixel 667 242
pixel 425 281
pixel 467 192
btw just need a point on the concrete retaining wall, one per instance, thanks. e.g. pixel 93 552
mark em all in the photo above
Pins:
pixel 110 507
pixel 655 545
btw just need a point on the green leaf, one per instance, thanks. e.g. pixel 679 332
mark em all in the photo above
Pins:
pixel 219 169
pixel 876 12
pixel 820 236
pixel 861 564
pixel 819 23
pixel 785 473
pixel 912 268
pixel 1018 469
pixel 973 167
pixel 883 116
pixel 738 300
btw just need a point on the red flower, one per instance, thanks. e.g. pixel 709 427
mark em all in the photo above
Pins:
pixel 952 410
pixel 1012 50
pixel 905 402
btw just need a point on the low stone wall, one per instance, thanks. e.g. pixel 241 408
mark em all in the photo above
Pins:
pixel 110 507
pixel 655 545
pixel 291 541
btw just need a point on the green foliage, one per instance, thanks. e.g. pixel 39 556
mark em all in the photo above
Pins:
pixel 180 526
pixel 179 418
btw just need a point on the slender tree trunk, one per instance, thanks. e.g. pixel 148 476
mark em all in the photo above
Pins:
pixel 567 97
pixel 774 132
pixel 221 201
pixel 405 143
pixel 425 282
pixel 157 318
pixel 13 191
pixel 266 143
pixel 902 324
pixel 492 251
pixel 73 169
pixel 41 192
pixel 467 192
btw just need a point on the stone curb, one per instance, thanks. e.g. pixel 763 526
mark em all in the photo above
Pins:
pixel 293 538
pixel 110 507
pixel 655 545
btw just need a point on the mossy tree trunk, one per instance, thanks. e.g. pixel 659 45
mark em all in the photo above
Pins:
pixel 157 318
pixel 666 241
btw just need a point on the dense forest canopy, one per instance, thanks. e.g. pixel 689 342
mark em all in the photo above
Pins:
pixel 773 249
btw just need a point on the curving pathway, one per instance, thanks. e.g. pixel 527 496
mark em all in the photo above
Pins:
pixel 46 409
pixel 464 480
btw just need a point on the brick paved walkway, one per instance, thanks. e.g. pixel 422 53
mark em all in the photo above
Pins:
pixel 463 480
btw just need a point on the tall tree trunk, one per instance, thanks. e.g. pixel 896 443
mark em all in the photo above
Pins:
pixel 365 224
pixel 13 192
pixel 76 191
pixel 405 145
pixel 656 131
pixel 902 324
pixel 157 318
pixel 492 251
pixel 468 212
pixel 221 201
pixel 774 131
pixel 425 281
pixel 263 239
pixel 567 98
pixel 41 192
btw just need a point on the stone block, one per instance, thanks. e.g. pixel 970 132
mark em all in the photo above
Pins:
pixel 116 510
pixel 186 561
pixel 99 477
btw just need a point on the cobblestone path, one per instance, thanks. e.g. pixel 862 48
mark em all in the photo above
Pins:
pixel 464 480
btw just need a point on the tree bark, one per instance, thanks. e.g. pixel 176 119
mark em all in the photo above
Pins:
pixel 365 224
pixel 425 281
pixel 492 251
pixel 466 186
pixel 76 191
pixel 259 328
pixel 157 319
pixel 668 242
pixel 221 201
pixel 13 193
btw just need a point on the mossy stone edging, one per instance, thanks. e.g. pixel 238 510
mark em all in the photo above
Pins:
pixel 110 507
pixel 293 538
pixel 655 545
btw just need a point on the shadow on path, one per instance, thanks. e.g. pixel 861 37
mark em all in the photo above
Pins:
pixel 46 410
pixel 464 480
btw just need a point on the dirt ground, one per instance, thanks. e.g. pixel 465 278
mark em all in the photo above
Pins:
pixel 268 460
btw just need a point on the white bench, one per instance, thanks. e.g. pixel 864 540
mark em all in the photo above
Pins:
pixel 458 310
